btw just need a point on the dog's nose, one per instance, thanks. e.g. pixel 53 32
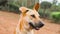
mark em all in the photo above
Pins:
pixel 40 24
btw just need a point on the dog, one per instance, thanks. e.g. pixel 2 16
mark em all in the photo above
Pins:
pixel 29 20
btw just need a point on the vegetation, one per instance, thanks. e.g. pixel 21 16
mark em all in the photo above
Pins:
pixel 55 16
pixel 45 5
pixel 13 5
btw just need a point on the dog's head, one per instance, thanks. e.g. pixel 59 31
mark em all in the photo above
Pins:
pixel 32 17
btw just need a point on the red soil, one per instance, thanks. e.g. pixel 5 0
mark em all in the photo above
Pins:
pixel 8 22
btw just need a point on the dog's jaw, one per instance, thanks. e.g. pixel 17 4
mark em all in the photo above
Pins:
pixel 23 30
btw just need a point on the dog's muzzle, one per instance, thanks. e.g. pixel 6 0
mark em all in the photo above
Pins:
pixel 36 26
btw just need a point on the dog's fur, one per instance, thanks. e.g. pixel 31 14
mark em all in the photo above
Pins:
pixel 28 16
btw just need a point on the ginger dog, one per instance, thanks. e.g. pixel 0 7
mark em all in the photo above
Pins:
pixel 29 20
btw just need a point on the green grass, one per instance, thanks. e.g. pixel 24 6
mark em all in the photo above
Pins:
pixel 55 13
pixel 55 16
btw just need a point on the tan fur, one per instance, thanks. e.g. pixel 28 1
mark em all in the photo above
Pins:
pixel 23 27
pixel 36 6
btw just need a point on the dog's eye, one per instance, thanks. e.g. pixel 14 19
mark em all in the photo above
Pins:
pixel 33 16
pixel 27 10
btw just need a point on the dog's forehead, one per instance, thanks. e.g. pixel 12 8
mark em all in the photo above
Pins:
pixel 32 12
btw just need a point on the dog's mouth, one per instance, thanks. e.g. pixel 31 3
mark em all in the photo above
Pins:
pixel 35 26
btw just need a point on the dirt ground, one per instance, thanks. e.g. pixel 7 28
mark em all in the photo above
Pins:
pixel 8 22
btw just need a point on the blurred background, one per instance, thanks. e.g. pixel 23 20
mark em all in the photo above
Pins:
pixel 49 9
pixel 49 13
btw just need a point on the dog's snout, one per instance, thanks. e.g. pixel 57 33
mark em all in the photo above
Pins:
pixel 40 24
pixel 31 24
pixel 36 25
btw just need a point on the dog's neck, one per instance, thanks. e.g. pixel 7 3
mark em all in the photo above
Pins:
pixel 21 28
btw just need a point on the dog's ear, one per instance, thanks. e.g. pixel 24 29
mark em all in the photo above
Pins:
pixel 36 6
pixel 23 9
